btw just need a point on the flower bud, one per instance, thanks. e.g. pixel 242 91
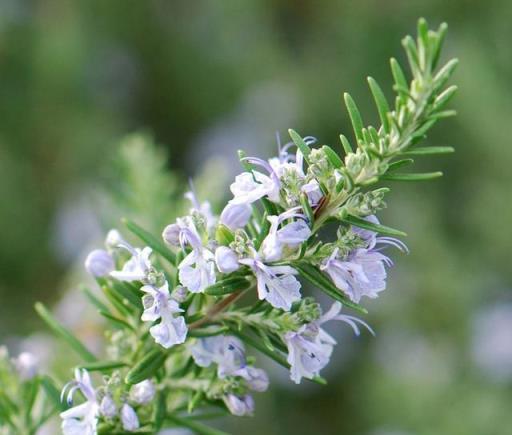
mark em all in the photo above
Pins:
pixel 257 379
pixel 239 405
pixel 226 259
pixel 171 234
pixel 235 216
pixel 99 263
pixel 113 239
pixel 179 294
pixel 108 407
pixel 26 365
pixel 143 392
pixel 129 418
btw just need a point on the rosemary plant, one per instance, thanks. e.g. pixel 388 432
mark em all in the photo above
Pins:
pixel 183 309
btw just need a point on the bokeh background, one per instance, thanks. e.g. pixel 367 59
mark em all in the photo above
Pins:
pixel 204 78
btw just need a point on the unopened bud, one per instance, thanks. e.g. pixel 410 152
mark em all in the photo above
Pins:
pixel 99 263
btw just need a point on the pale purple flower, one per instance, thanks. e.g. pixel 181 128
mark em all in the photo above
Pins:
pixel 137 267
pixel 143 392
pixel 182 233
pixel 226 351
pixel 250 187
pixel 158 305
pixel 239 405
pixel 226 259
pixel 276 284
pixel 310 348
pixel 108 407
pixel 99 263
pixel 363 271
pixel 129 418
pixel 27 365
pixel 81 419
pixel 257 379
pixel 290 235
pixel 313 192
pixel 361 274
pixel 197 270
pixel 235 216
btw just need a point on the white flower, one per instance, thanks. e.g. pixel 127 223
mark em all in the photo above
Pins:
pixel 108 407
pixel 290 235
pixel 81 419
pixel 26 365
pixel 239 405
pixel 226 259
pixel 158 305
pixel 250 187
pixel 235 216
pixel 129 418
pixel 310 348
pixel 99 263
pixel 137 267
pixel 276 284
pixel 197 270
pixel 143 392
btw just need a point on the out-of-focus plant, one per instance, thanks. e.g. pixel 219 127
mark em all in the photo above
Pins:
pixel 181 311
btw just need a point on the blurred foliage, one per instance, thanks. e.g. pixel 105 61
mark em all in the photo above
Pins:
pixel 208 77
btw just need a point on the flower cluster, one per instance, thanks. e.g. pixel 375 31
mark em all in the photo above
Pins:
pixel 186 305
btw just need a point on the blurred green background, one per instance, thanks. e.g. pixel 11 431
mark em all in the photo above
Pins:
pixel 205 78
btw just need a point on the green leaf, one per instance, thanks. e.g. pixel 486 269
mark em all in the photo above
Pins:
pixel 443 98
pixel 323 283
pixel 346 144
pixel 424 151
pixel 399 164
pixel 127 294
pixel 436 46
pixel 101 366
pixel 160 410
pixel 116 321
pixel 228 285
pixel 151 241
pixel 332 156
pixel 355 117
pixel 400 81
pixel 412 177
pixel 146 367
pixel 224 235
pixel 378 228
pixel 265 226
pixel 118 302
pixel 445 73
pixel 195 426
pixel 412 54
pixel 52 392
pixel 299 143
pixel 207 332
pixel 245 164
pixel 306 207
pixel 63 333
pixel 381 103
pixel 94 300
